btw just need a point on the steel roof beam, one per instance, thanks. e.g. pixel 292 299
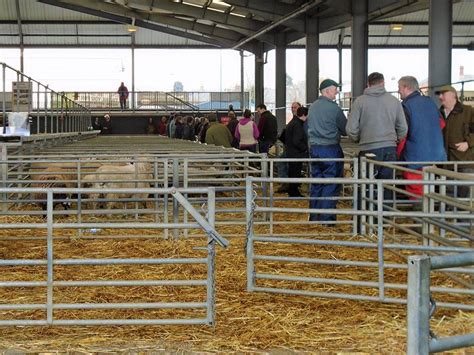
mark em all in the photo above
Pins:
pixel 236 23
pixel 138 23
pixel 280 21
pixel 160 19
pixel 20 29
pixel 269 10
pixel 224 38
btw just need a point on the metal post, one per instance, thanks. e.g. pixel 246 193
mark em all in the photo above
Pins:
pixel 360 35
pixel 371 197
pixel 4 176
pixel 38 108
pixel 185 185
pixel 249 249
pixel 175 203
pixel 4 109
pixel 242 83
pixel 17 92
pixel 355 195
pixel 133 72
pixel 49 217
pixel 418 305
pixel 312 60
pixel 211 256
pixel 363 194
pixel 166 196
pixel 339 52
pixel 440 44
pixel 380 240
pixel 280 80
pixel 259 95
pixel 45 109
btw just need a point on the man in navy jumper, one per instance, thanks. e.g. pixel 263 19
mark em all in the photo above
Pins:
pixel 326 124
pixel 424 141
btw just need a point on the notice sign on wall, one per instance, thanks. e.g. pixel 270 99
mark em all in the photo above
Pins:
pixel 22 95
pixel 468 98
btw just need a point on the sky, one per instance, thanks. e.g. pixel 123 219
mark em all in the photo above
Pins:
pixel 206 70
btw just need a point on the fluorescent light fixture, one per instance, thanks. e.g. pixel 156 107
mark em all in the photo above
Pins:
pixel 132 27
pixel 397 27
pixel 220 2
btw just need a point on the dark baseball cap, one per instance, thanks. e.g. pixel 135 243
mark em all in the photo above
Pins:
pixel 327 83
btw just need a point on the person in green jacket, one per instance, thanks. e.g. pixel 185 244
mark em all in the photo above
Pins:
pixel 217 133
pixel 458 132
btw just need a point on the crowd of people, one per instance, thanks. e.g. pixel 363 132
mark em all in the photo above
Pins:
pixel 414 130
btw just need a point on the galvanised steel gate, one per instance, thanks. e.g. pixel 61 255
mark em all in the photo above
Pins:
pixel 330 259
pixel 49 285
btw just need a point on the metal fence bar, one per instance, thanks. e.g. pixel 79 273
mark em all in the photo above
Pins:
pixel 419 339
pixel 50 283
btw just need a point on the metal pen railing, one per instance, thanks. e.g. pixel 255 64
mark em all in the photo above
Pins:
pixel 159 100
pixel 421 306
pixel 52 284
pixel 54 112
pixel 348 265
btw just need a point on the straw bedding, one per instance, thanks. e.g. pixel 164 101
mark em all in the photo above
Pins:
pixel 246 322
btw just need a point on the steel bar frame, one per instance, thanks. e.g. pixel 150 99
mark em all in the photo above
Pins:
pixel 419 306
pixel 207 223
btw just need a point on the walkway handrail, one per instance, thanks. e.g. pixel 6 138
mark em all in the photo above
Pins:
pixel 193 107
pixel 61 114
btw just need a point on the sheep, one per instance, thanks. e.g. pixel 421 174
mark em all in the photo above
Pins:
pixel 49 178
pixel 121 177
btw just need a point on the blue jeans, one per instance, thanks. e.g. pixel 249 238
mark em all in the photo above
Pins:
pixel 325 169
pixel 381 172
pixel 282 166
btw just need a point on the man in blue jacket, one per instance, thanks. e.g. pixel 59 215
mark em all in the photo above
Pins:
pixel 424 141
pixel 326 124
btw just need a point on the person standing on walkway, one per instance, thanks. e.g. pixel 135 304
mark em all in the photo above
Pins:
pixel 326 124
pixel 123 96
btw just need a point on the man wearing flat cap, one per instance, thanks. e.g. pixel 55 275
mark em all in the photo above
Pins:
pixel 459 130
pixel 326 124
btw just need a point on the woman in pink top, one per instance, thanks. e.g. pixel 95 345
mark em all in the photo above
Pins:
pixel 247 133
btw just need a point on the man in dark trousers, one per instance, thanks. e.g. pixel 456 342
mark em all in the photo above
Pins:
pixel 296 146
pixel 326 124
pixel 123 96
pixel 268 128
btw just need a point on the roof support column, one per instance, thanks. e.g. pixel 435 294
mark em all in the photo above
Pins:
pixel 360 45
pixel 133 71
pixel 280 80
pixel 312 60
pixel 259 74
pixel 440 43
pixel 242 82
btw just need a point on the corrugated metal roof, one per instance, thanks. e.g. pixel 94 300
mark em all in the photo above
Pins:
pixel 102 33
pixel 33 10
